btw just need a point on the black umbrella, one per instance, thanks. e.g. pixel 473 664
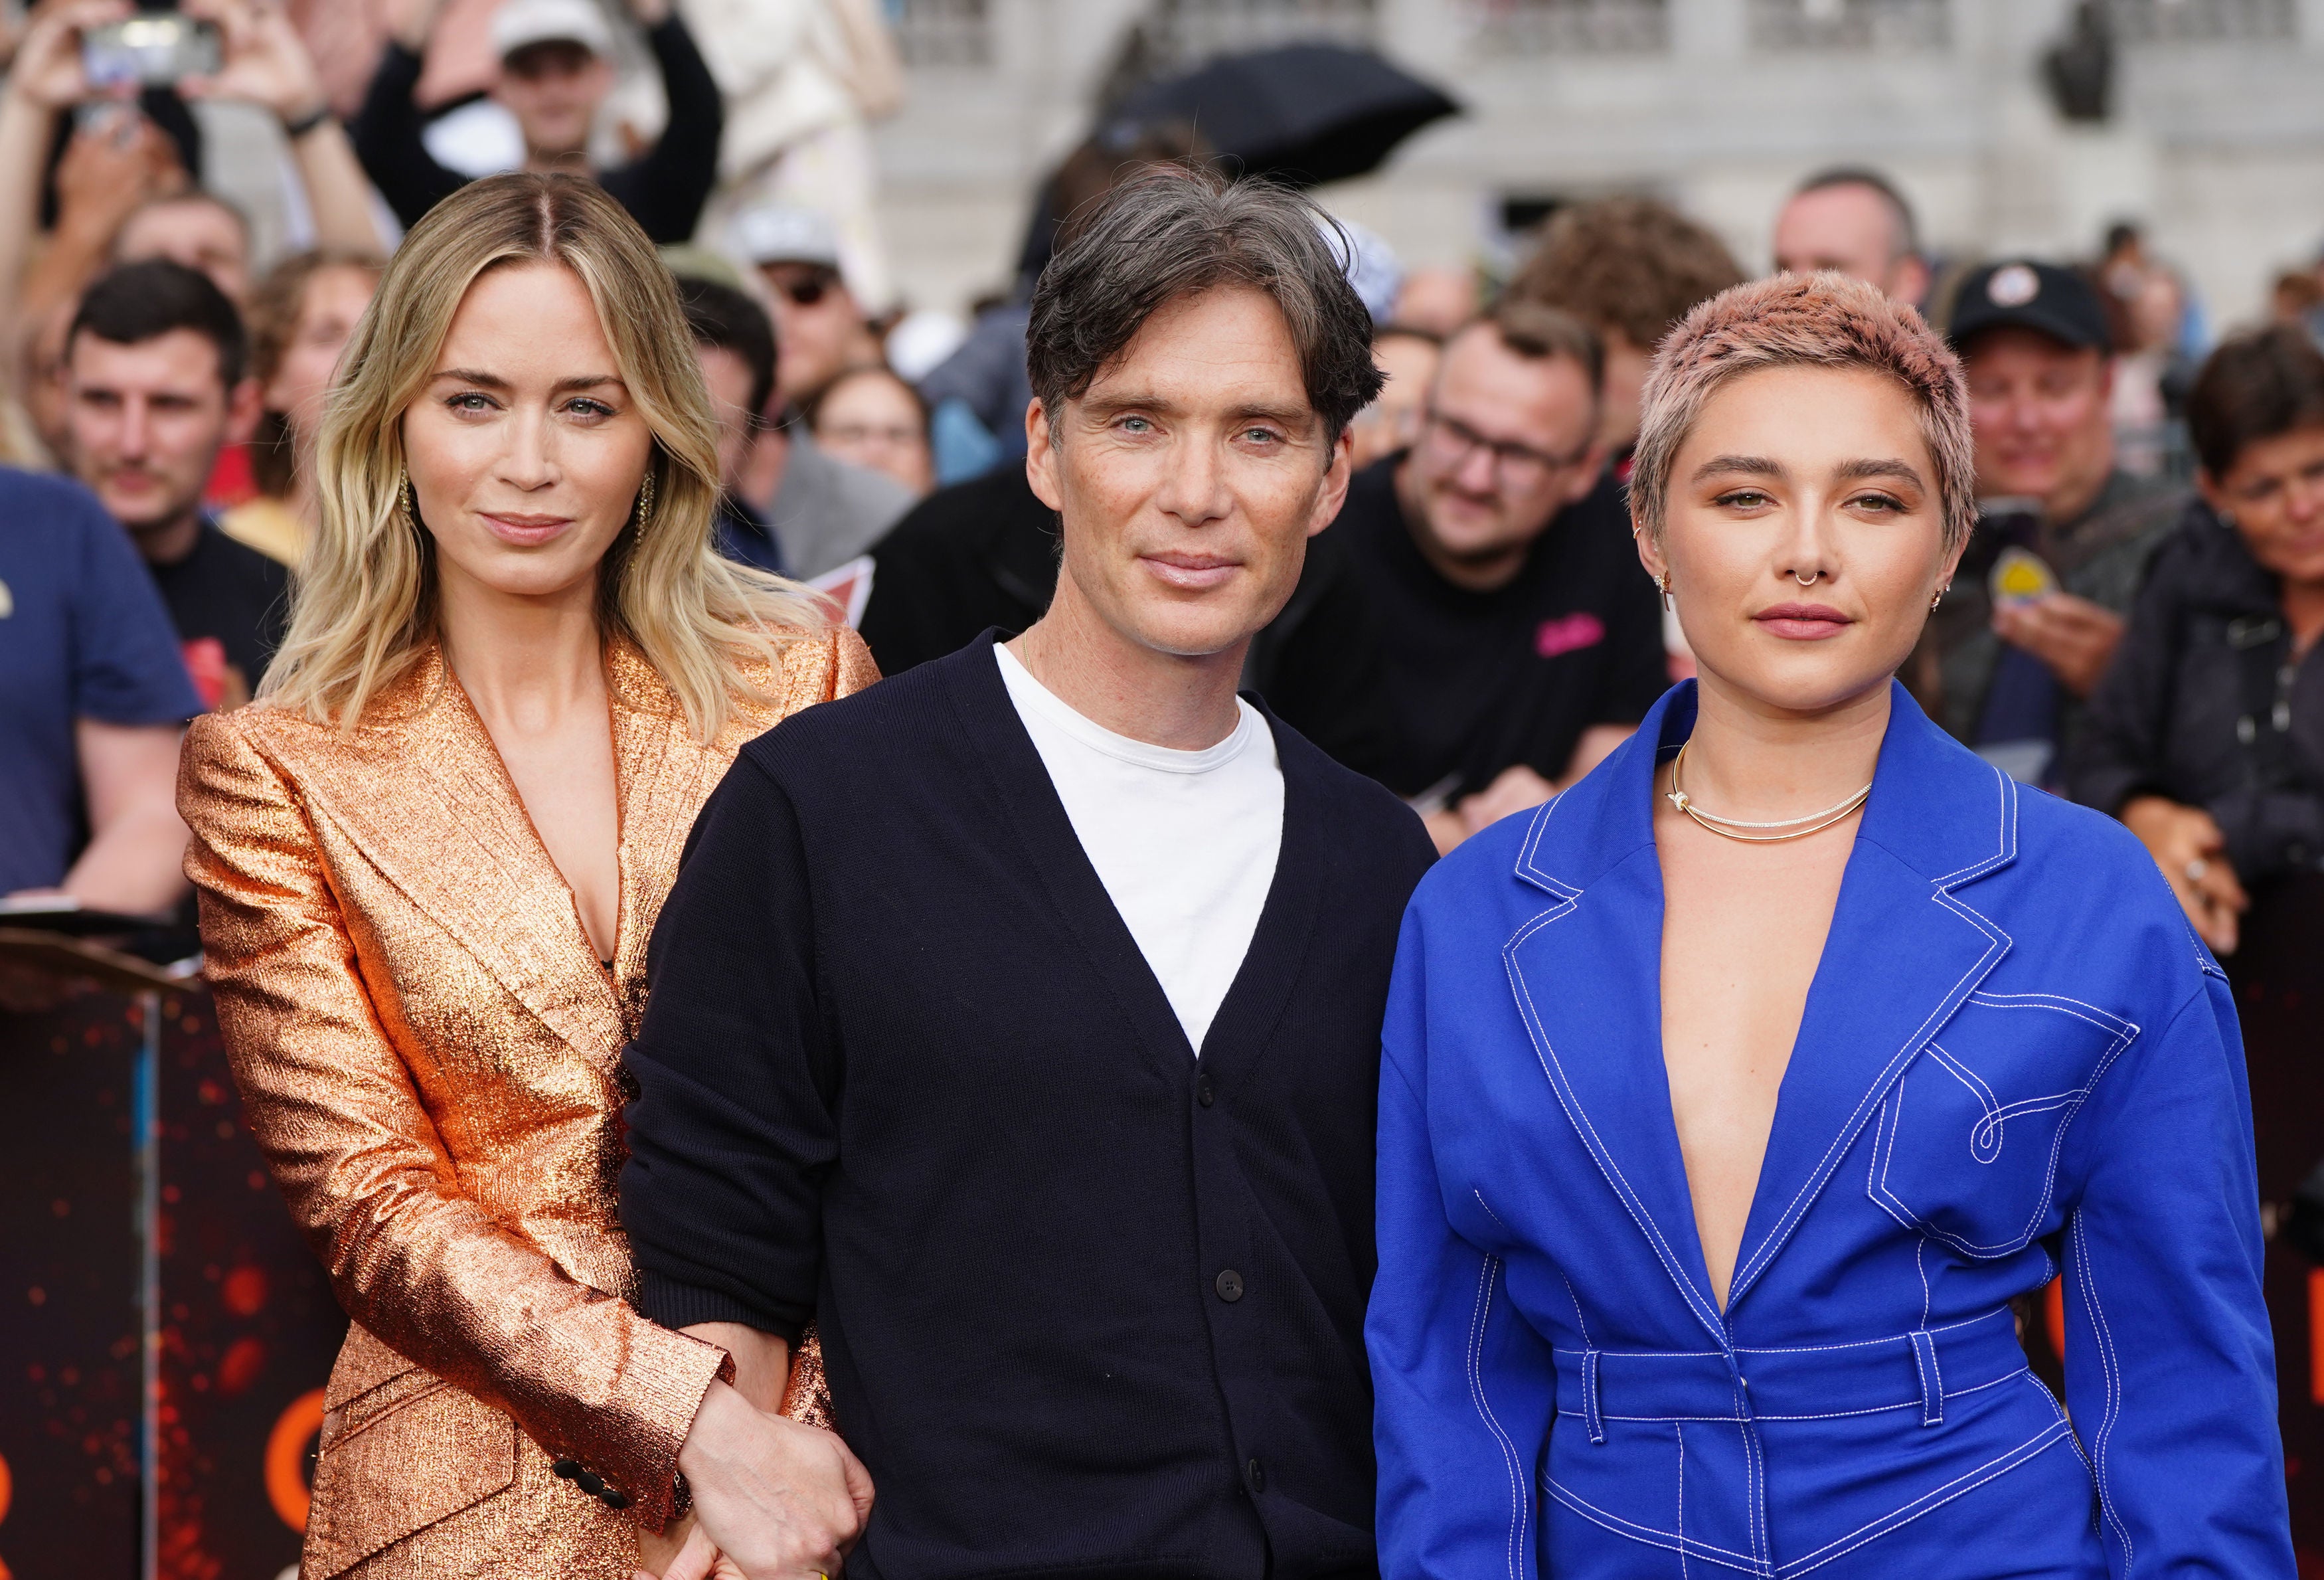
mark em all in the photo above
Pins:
pixel 1302 112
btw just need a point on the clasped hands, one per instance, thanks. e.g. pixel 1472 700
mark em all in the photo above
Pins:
pixel 773 1499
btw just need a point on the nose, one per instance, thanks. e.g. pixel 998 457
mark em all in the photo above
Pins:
pixel 136 428
pixel 1803 552
pixel 1477 471
pixel 529 462
pixel 1194 488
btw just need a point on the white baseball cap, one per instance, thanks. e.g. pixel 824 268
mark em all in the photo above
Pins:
pixel 521 24
pixel 781 235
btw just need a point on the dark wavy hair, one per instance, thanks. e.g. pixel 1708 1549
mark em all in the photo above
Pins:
pixel 1180 230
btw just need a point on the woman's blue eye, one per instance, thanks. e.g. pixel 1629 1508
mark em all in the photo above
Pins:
pixel 470 402
pixel 588 408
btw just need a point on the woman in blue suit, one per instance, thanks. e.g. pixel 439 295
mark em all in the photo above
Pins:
pixel 1729 1099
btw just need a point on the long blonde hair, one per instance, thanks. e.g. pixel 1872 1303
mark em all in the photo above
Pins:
pixel 364 601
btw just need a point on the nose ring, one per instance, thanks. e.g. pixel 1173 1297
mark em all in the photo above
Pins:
pixel 1807 581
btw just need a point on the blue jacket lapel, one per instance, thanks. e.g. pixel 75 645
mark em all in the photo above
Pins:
pixel 1905 950
pixel 1586 974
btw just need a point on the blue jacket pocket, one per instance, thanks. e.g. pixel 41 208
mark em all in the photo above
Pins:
pixel 1967 1149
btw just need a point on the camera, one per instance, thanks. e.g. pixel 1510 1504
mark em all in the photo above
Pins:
pixel 151 50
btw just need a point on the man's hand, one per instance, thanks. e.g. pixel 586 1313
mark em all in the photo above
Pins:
pixel 414 21
pixel 48 72
pixel 775 1500
pixel 2073 636
pixel 266 61
pixel 2192 852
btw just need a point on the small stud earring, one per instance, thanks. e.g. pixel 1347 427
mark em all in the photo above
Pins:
pixel 1940 598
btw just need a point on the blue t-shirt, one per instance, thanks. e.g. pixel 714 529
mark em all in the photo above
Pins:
pixel 83 634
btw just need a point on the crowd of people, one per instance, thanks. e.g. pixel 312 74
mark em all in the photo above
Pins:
pixel 562 448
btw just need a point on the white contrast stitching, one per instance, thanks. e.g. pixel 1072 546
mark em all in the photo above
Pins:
pixel 1477 1320
pixel 2110 1367
pixel 1681 1432
pixel 1694 1545
pixel 1895 1518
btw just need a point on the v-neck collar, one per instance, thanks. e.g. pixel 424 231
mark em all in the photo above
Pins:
pixel 1053 852
pixel 1902 952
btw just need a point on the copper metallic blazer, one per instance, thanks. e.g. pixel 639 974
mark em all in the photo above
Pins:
pixel 428 1050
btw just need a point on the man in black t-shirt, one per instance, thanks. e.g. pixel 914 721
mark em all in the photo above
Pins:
pixel 156 374
pixel 1522 641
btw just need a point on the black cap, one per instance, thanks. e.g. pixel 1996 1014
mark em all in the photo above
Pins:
pixel 2022 294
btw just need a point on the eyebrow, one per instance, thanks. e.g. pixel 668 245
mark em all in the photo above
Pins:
pixel 1857 471
pixel 1864 471
pixel 493 381
pixel 1114 405
pixel 1721 465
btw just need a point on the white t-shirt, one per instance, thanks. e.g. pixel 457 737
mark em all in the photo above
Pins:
pixel 1185 841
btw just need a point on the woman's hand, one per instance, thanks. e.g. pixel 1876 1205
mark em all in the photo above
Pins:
pixel 48 71
pixel 2192 852
pixel 775 1500
pixel 266 61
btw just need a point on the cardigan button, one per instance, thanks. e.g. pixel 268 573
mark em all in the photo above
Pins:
pixel 566 1469
pixel 613 1498
pixel 590 1481
pixel 1258 1477
pixel 1229 1285
pixel 1202 1091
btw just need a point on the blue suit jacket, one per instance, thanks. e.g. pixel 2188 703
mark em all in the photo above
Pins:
pixel 2014 1056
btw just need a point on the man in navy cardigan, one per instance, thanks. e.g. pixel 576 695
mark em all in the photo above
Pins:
pixel 1018 1019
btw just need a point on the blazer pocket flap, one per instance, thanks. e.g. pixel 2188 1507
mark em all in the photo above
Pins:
pixel 399 1471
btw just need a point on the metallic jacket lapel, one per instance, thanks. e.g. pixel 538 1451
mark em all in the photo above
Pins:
pixel 454 837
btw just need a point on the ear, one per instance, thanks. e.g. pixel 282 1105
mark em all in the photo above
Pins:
pixel 1650 554
pixel 1042 461
pixel 1585 477
pixel 244 407
pixel 2214 493
pixel 1336 476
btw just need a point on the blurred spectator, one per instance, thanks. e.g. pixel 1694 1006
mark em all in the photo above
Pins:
pixel 155 364
pixel 198 229
pixel 123 192
pixel 1522 640
pixel 1372 266
pixel 2207 738
pixel 734 342
pixel 2021 640
pixel 977 396
pixel 2294 295
pixel 802 78
pixel 91 715
pixel 868 416
pixel 1407 358
pixel 1630 268
pixel 984 553
pixel 2152 369
pixel 791 507
pixel 555 73
pixel 1437 301
pixel 1855 221
pixel 818 322
pixel 301 317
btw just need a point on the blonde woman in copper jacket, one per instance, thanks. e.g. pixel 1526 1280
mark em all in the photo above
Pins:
pixel 431 857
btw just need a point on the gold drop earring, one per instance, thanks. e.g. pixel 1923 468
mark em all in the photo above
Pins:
pixel 1661 585
pixel 646 500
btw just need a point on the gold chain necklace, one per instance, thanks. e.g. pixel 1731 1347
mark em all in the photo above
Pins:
pixel 1722 826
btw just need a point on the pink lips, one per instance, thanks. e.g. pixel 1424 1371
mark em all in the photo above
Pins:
pixel 527 532
pixel 1802 622
pixel 1193 573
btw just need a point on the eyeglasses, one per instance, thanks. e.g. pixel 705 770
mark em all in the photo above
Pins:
pixel 807 289
pixel 1519 464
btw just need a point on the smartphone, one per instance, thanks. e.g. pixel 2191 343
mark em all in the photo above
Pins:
pixel 152 49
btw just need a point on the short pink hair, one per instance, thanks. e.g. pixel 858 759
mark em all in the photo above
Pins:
pixel 1804 320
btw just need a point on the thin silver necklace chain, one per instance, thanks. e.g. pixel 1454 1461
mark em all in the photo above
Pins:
pixel 1722 826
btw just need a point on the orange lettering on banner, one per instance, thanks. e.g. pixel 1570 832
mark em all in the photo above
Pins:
pixel 2316 1334
pixel 8 1494
pixel 286 1457
pixel 2053 1314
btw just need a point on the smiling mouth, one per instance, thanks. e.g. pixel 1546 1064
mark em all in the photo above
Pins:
pixel 1802 622
pixel 527 532
pixel 1192 572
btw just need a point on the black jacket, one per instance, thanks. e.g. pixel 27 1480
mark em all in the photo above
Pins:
pixel 664 191
pixel 1088 1305
pixel 2203 705
pixel 984 553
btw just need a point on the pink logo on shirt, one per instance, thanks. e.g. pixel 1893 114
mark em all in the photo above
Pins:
pixel 1568 634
